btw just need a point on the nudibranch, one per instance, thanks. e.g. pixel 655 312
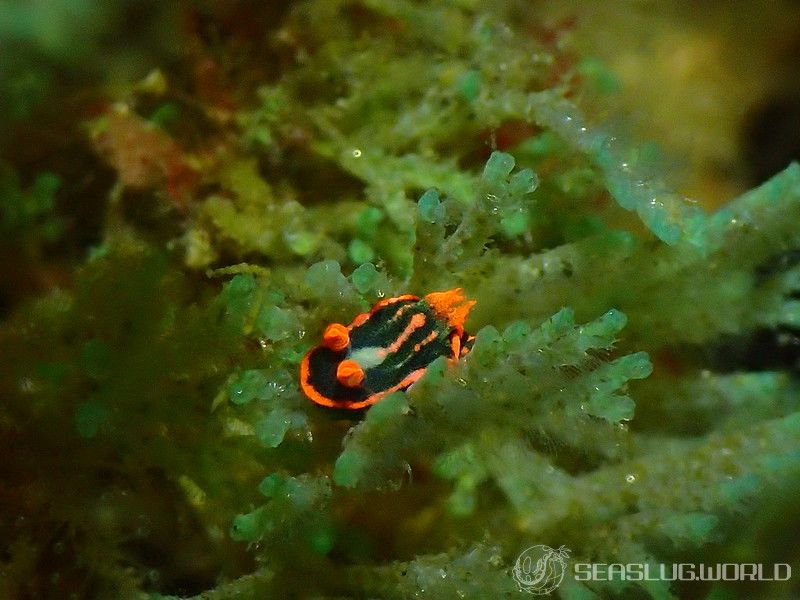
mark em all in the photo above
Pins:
pixel 386 349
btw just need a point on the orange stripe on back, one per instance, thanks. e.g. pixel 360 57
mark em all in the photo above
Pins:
pixel 400 311
pixel 417 321
pixel 388 301
pixel 431 336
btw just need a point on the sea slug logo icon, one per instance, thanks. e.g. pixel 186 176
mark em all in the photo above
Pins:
pixel 540 569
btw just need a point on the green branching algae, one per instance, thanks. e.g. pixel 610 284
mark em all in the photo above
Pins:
pixel 160 442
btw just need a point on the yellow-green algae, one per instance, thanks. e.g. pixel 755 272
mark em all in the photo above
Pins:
pixel 159 439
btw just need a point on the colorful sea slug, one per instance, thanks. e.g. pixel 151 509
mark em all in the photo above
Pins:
pixel 386 349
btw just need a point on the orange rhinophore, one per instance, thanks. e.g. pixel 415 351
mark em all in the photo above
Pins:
pixel 386 349
pixel 336 337
pixel 349 373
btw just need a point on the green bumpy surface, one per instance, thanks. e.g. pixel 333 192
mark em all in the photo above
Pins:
pixel 153 408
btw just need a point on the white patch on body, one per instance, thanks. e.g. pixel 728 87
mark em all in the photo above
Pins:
pixel 369 357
